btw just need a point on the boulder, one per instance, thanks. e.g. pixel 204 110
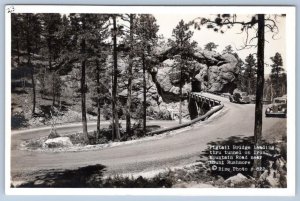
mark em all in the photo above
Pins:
pixel 219 181
pixel 58 142
pixel 238 180
pixel 271 177
pixel 38 182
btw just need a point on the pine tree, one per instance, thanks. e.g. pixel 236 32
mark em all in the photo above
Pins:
pixel 51 24
pixel 132 19
pixel 228 50
pixel 181 40
pixel 16 34
pixel 115 116
pixel 210 46
pixel 98 54
pixel 80 27
pixel 250 73
pixel 277 72
pixel 31 37
pixel 147 35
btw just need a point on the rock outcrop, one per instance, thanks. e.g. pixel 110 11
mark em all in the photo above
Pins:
pixel 215 72
pixel 238 180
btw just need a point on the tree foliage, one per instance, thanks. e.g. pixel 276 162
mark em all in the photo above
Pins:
pixel 249 74
pixel 210 46
pixel 182 41
pixel 278 76
pixel 146 31
pixel 228 50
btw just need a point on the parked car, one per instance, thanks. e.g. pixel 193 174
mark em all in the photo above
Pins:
pixel 239 97
pixel 278 108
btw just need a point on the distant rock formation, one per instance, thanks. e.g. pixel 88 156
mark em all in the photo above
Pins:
pixel 215 72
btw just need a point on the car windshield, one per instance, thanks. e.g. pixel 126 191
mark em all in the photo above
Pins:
pixel 279 101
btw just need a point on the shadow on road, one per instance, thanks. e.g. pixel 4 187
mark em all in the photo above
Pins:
pixel 18 121
pixel 84 177
pixel 92 177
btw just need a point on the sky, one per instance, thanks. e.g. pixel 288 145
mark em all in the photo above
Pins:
pixel 234 37
pixel 167 22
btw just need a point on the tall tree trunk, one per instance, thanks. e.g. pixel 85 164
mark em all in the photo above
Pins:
pixel 180 94
pixel 259 88
pixel 59 100
pixel 28 44
pixel 249 86
pixel 250 81
pixel 98 97
pixel 277 82
pixel 44 82
pixel 83 100
pixel 53 73
pixel 271 92
pixel 113 133
pixel 192 104
pixel 115 130
pixel 129 86
pixel 144 94
pixel 18 52
pixel 53 88
pixel 33 88
pixel 83 88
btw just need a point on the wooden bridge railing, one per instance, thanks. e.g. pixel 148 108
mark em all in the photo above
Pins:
pixel 200 98
pixel 216 106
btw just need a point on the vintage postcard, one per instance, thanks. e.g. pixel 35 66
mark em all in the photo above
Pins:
pixel 150 100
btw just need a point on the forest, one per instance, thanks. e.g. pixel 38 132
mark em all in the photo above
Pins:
pixel 105 67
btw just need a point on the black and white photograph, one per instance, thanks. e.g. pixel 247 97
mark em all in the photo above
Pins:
pixel 150 97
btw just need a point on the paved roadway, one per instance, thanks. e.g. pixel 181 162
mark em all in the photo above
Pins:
pixel 176 150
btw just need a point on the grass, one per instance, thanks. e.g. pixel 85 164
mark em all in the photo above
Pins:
pixel 34 144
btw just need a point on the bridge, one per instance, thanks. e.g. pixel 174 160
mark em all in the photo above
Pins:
pixel 201 98
pixel 212 106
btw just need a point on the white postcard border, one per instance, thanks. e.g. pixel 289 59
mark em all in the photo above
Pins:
pixel 291 73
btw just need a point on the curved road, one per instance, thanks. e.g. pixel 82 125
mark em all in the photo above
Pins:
pixel 176 150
